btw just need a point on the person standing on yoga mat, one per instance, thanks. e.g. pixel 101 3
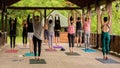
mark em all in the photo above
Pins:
pixel 38 27
pixel 51 31
pixel 24 33
pixel 12 25
pixel 86 28
pixel 57 29
pixel 105 27
pixel 71 32
pixel 30 33
pixel 79 31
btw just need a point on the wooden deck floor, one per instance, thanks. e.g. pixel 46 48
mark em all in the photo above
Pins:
pixel 54 59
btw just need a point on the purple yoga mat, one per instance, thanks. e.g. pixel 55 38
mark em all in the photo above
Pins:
pixel 57 47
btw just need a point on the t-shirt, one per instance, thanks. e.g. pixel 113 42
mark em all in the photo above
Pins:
pixel 78 25
pixel 86 26
pixel 71 29
pixel 38 29
pixel 51 27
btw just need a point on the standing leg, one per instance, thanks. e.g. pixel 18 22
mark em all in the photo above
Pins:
pixel 72 41
pixel 14 38
pixel 23 40
pixel 39 48
pixel 107 46
pixel 35 45
pixel 11 42
pixel 50 39
pixel 85 40
pixel 103 46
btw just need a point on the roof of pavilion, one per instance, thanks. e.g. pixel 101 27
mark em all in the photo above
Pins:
pixel 86 3
pixel 81 3
pixel 8 2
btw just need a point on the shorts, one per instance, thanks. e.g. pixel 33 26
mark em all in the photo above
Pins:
pixel 79 33
pixel 46 34
pixel 30 35
pixel 57 33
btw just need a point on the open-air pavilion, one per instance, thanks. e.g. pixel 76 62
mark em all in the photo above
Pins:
pixel 59 59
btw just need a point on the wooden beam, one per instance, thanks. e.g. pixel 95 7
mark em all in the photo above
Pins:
pixel 55 8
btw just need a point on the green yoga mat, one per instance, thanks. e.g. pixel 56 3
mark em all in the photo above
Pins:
pixel 41 61
pixel 72 54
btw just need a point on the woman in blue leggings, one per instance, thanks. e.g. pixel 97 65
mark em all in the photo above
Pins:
pixel 105 23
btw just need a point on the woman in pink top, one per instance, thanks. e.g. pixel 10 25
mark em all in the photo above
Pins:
pixel 86 28
pixel 71 33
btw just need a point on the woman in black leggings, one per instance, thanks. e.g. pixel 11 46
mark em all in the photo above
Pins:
pixel 12 25
pixel 38 33
pixel 24 34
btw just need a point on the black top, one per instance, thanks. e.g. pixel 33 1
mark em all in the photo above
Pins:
pixel 24 29
pixel 78 25
pixel 30 25
pixel 57 24
pixel 12 27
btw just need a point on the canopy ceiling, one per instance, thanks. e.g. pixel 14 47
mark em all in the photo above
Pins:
pixel 91 3
pixel 7 2
pixel 81 3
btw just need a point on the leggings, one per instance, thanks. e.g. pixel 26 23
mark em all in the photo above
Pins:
pixel 24 39
pixel 37 43
pixel 87 39
pixel 71 40
pixel 12 41
pixel 105 43
pixel 51 35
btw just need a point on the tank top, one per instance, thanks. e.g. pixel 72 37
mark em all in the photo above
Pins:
pixel 71 29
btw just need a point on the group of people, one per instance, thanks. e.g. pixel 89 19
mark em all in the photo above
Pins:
pixel 34 28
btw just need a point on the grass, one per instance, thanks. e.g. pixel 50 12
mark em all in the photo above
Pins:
pixel 18 39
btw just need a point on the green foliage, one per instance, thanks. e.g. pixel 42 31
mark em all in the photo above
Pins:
pixel 22 14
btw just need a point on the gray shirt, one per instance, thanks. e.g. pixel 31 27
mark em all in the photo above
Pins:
pixel 51 27
pixel 38 29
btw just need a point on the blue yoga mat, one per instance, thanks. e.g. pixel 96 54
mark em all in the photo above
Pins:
pixel 89 50
pixel 109 61
pixel 29 54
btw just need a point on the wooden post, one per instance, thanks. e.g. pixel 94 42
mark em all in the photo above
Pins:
pixel 44 16
pixel 98 24
pixel 2 16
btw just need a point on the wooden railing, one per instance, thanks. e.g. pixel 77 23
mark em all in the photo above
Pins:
pixel 114 43
pixel 3 40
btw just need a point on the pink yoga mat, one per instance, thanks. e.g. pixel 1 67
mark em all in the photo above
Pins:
pixel 50 50
pixel 11 51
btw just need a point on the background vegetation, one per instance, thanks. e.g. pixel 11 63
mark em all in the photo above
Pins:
pixel 22 14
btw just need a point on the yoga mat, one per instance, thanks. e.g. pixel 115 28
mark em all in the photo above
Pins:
pixel 50 50
pixel 72 54
pixel 109 61
pixel 57 46
pixel 22 47
pixel 41 61
pixel 29 54
pixel 89 50
pixel 11 51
